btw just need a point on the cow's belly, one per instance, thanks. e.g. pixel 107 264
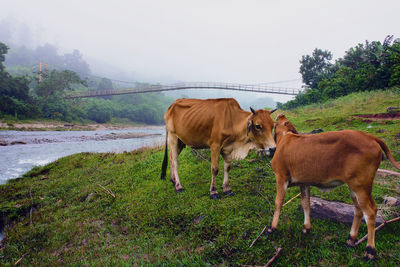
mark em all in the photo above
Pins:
pixel 324 186
pixel 194 142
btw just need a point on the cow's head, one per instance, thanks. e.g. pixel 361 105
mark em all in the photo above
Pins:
pixel 259 129
pixel 282 127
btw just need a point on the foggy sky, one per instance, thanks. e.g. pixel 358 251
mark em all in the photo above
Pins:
pixel 249 41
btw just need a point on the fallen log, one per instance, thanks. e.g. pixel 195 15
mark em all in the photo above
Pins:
pixel 335 211
pixel 384 173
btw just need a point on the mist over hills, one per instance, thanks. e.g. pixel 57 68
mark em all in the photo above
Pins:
pixel 27 49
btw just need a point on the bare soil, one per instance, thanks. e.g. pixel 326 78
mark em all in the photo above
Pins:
pixel 380 116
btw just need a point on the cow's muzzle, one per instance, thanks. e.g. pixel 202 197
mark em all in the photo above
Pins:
pixel 270 151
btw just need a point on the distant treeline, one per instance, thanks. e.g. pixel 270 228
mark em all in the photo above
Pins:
pixel 22 96
pixel 366 67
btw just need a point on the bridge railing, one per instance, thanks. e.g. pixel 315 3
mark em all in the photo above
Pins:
pixel 192 85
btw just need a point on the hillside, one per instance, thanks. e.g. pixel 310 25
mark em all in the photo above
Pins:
pixel 66 212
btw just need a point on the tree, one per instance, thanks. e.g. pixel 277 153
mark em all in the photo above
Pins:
pixel 14 91
pixel 48 53
pixel 57 82
pixel 316 67
pixel 105 84
pixel 75 62
pixel 99 110
pixel 50 93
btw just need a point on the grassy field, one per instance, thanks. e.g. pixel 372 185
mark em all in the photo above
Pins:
pixel 66 212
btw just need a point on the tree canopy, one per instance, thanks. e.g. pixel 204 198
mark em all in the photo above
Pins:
pixel 365 67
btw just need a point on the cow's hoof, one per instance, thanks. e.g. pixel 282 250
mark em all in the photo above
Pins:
pixel 180 190
pixel 269 231
pixel 215 196
pixel 173 182
pixel 370 254
pixel 306 231
pixel 351 243
pixel 229 193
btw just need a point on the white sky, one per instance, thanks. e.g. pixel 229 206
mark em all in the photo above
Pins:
pixel 248 41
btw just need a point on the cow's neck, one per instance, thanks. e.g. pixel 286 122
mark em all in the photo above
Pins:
pixel 279 137
pixel 243 144
pixel 240 149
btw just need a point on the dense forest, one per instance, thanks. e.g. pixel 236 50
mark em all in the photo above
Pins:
pixel 365 67
pixel 23 95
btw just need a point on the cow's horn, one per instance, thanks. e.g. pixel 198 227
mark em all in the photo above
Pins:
pixel 272 111
pixel 253 111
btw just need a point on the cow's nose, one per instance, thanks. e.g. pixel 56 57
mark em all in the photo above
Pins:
pixel 271 151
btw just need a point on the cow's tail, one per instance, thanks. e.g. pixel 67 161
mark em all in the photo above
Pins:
pixel 165 160
pixel 387 152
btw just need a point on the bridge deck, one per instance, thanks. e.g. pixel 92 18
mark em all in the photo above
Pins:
pixel 181 86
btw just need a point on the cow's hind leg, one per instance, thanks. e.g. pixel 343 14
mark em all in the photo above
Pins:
pixel 215 151
pixel 176 147
pixel 367 205
pixel 305 204
pixel 351 242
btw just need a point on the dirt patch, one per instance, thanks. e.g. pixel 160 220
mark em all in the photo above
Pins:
pixel 380 116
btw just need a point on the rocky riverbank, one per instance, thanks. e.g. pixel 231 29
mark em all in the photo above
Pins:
pixel 60 126
pixel 80 133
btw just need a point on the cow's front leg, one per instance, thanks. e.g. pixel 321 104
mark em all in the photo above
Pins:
pixel 305 204
pixel 281 186
pixel 215 151
pixel 225 185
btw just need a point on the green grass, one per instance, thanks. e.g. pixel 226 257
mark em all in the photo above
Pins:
pixel 76 222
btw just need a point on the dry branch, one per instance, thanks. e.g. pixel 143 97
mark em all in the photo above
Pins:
pixel 20 259
pixel 269 262
pixel 274 257
pixel 376 229
pixel 290 200
pixel 198 154
pixel 108 191
pixel 263 230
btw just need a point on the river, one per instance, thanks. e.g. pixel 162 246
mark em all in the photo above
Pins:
pixel 42 147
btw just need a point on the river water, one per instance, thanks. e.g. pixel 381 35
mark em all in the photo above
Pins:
pixel 43 147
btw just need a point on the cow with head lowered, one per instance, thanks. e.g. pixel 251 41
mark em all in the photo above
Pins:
pixel 327 160
pixel 218 124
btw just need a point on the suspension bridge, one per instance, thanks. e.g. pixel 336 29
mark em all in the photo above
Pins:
pixel 257 88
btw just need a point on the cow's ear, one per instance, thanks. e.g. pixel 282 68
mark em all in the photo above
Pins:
pixel 248 127
pixel 272 111
pixel 253 111
pixel 290 127
pixel 281 116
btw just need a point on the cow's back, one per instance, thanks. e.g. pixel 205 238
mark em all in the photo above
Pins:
pixel 195 121
pixel 327 155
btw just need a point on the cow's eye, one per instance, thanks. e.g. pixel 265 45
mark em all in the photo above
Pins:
pixel 258 127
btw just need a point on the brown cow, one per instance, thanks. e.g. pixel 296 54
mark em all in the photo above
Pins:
pixel 327 160
pixel 219 124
